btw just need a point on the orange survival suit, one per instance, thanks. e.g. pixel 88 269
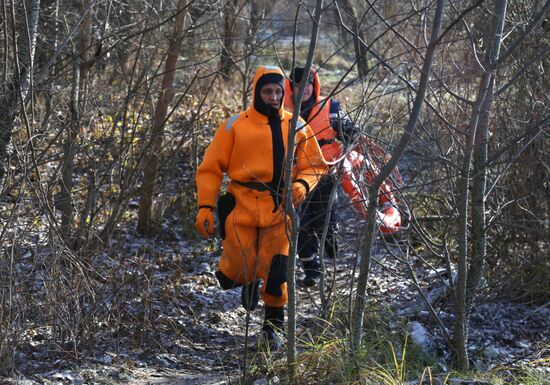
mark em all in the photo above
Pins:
pixel 250 148
pixel 323 116
pixel 318 118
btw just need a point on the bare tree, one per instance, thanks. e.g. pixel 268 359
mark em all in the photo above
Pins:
pixel 82 58
pixel 471 263
pixel 16 93
pixel 251 43
pixel 155 144
pixel 229 37
pixel 289 207
pixel 359 46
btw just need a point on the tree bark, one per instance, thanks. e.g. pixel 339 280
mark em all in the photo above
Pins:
pixel 358 40
pixel 390 8
pixel 65 204
pixel 479 182
pixel 479 188
pixel 228 38
pixel 461 324
pixel 18 90
pixel 256 16
pixel 477 136
pixel 289 207
pixel 6 43
pixel 166 94
pixel 80 69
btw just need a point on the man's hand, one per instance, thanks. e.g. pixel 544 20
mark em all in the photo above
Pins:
pixel 204 223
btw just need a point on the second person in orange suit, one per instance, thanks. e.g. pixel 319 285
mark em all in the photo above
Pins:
pixel 332 128
pixel 250 148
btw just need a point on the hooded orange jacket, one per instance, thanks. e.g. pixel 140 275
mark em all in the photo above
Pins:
pixel 319 118
pixel 242 149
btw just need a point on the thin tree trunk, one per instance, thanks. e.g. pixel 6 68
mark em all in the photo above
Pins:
pixel 470 272
pixel 19 89
pixel 26 55
pixel 85 49
pixel 66 183
pixel 226 57
pixel 256 16
pixel 6 43
pixel 51 70
pixel 369 231
pixel 165 97
pixel 80 69
pixel 460 328
pixel 358 41
pixel 390 8
pixel 479 187
pixel 289 207
pixel 322 243
pixel 479 183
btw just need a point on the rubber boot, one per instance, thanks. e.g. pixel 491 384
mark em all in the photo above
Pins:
pixel 273 324
pixel 312 270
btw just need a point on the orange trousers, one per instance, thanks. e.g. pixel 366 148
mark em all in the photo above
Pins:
pixel 251 253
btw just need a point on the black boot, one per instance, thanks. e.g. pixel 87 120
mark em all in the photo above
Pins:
pixel 273 324
pixel 250 295
pixel 312 270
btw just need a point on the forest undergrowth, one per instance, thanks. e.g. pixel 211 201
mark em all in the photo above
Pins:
pixel 149 309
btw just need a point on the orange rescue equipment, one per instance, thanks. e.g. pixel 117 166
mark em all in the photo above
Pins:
pixel 359 170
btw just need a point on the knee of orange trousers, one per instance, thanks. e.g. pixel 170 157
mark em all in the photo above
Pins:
pixel 273 300
pixel 239 260
pixel 248 251
pixel 241 265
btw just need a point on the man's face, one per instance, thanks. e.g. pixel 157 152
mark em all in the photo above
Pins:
pixel 272 95
pixel 308 92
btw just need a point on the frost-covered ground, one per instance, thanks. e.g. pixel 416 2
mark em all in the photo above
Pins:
pixel 170 323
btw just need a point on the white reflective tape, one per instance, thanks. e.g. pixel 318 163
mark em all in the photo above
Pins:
pixel 308 258
pixel 230 122
pixel 272 68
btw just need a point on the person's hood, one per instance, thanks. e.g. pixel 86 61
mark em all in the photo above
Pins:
pixel 271 73
pixel 316 88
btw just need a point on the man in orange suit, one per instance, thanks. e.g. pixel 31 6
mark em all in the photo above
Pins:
pixel 250 148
